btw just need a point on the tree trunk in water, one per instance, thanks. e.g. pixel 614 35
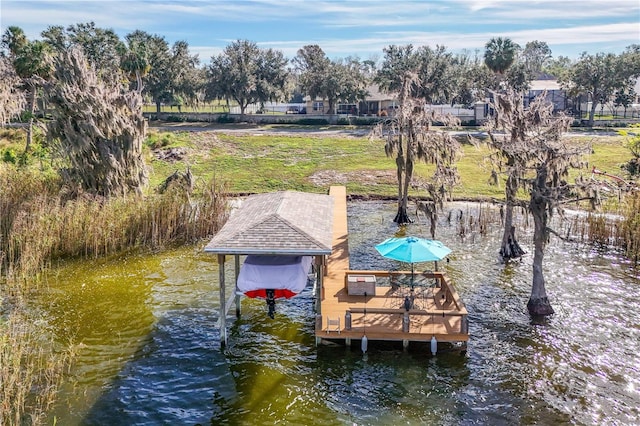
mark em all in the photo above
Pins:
pixel 538 304
pixel 402 217
pixel 510 249
pixel 405 171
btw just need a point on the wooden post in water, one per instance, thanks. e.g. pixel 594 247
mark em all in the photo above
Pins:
pixel 318 328
pixel 223 308
pixel 237 266
pixel 320 271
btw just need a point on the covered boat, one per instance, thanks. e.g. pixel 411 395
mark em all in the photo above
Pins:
pixel 274 277
pixel 285 275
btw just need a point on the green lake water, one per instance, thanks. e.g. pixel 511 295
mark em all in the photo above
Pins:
pixel 148 351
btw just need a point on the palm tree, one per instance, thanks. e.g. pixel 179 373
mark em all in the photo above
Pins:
pixel 499 54
pixel 13 40
pixel 32 63
pixel 135 63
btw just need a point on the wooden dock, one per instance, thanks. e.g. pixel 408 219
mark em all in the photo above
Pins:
pixel 401 308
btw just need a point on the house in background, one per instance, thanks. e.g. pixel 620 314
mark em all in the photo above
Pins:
pixel 374 104
pixel 556 95
pixel 377 102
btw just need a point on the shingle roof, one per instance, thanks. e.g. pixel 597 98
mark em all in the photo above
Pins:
pixel 374 94
pixel 285 222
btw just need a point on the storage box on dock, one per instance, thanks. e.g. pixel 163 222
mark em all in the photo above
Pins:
pixel 358 285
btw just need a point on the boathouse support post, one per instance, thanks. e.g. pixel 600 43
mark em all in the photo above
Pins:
pixel 223 308
pixel 237 271
pixel 318 328
pixel 319 284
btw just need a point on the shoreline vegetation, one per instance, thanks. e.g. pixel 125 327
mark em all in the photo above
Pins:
pixel 40 224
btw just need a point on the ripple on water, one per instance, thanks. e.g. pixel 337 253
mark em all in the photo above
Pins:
pixel 151 353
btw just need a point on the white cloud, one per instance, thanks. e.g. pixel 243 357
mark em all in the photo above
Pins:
pixel 341 28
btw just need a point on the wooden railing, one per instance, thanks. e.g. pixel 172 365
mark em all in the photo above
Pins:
pixel 446 296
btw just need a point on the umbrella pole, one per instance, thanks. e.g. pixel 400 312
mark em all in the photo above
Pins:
pixel 411 276
pixel 412 294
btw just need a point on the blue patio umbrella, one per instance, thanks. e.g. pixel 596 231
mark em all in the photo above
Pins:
pixel 412 250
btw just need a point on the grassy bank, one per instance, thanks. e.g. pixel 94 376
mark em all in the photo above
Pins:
pixel 312 162
pixel 293 158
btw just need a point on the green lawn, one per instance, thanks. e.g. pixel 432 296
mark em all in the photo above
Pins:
pixel 308 159
pixel 263 163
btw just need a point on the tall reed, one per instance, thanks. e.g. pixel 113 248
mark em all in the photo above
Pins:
pixel 622 231
pixel 38 225
pixel 630 227
pixel 30 370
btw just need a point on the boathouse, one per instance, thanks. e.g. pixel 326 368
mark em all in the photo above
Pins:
pixel 285 223
pixel 350 304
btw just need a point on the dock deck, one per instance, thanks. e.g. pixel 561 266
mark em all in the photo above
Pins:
pixel 400 309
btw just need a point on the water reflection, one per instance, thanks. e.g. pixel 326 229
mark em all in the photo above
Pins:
pixel 149 350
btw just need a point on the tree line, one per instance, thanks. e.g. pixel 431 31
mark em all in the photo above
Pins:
pixel 247 74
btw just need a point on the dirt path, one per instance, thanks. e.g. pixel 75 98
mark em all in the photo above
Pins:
pixel 254 129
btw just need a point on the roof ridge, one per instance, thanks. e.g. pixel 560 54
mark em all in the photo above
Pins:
pixel 283 221
pixel 301 231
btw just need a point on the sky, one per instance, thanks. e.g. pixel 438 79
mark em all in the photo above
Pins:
pixel 355 28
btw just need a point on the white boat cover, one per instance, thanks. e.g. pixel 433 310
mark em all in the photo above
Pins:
pixel 289 273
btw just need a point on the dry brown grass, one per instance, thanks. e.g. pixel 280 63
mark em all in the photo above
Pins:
pixel 630 228
pixel 37 225
pixel 621 230
pixel 30 370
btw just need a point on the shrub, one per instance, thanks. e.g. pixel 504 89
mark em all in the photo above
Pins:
pixel 313 121
pixel 225 118
pixel 357 121
pixel 159 140
pixel 10 156
pixel 175 118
